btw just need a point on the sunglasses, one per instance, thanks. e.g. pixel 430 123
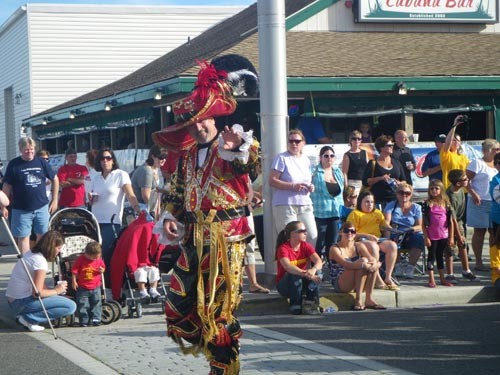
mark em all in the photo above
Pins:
pixel 466 179
pixel 47 159
pixel 294 141
pixel 405 193
pixel 329 155
pixel 300 231
pixel 107 158
pixel 347 230
pixel 389 145
pixel 356 139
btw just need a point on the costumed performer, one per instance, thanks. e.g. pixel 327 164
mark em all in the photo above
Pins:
pixel 207 212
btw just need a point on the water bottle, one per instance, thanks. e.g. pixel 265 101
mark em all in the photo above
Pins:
pixel 312 285
pixel 392 184
pixel 329 310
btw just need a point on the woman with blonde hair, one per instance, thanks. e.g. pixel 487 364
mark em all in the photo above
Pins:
pixel 354 162
pixel 291 179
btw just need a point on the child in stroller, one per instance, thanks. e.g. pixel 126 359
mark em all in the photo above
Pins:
pixel 142 275
pixel 86 281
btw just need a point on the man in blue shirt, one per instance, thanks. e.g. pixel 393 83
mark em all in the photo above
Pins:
pixel 24 184
pixel 432 165
pixel 313 131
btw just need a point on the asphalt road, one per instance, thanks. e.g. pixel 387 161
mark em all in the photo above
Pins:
pixel 458 340
pixel 22 354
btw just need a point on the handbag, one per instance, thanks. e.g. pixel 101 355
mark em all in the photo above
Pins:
pixel 365 187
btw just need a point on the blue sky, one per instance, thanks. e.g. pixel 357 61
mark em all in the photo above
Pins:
pixel 7 7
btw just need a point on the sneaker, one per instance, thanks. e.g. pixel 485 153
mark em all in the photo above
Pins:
pixel 451 279
pixel 154 294
pixel 409 270
pixel 310 308
pixel 296 309
pixel 29 326
pixel 470 276
pixel 399 270
pixel 83 325
pixel 96 323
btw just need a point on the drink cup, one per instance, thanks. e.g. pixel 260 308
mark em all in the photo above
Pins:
pixel 64 282
pixel 408 164
pixel 94 197
pixel 415 137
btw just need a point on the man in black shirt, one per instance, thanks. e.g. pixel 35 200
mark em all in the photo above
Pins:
pixel 404 154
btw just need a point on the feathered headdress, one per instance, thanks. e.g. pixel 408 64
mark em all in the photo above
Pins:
pixel 212 96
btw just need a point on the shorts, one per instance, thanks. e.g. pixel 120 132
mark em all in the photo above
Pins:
pixel 146 273
pixel 413 241
pixel 23 222
pixel 478 216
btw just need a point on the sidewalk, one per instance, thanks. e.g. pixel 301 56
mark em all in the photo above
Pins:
pixel 140 346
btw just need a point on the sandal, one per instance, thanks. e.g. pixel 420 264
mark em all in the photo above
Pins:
pixel 383 287
pixel 358 308
pixel 392 287
pixel 431 285
pixel 376 307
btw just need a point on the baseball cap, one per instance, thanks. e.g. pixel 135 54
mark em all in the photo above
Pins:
pixel 440 138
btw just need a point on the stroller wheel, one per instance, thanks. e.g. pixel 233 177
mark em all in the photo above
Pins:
pixel 138 310
pixel 108 313
pixel 64 321
pixel 117 308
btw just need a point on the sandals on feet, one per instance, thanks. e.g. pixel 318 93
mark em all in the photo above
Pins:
pixel 358 308
pixel 376 307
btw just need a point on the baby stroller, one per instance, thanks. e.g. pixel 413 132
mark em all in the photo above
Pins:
pixel 136 246
pixel 79 226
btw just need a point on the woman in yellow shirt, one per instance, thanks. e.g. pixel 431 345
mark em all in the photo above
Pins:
pixel 368 222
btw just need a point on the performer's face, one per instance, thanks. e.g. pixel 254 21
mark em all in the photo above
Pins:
pixel 203 131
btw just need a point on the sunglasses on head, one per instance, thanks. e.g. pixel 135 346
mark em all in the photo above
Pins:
pixel 107 158
pixel 295 141
pixel 405 193
pixel 349 230
pixel 300 231
pixel 329 155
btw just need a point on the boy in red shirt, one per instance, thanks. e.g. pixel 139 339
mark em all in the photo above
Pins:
pixel 87 280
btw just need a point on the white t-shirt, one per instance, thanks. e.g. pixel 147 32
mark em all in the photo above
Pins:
pixel 481 181
pixel 19 284
pixel 111 196
pixel 295 169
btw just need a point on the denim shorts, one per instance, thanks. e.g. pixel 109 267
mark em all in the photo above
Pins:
pixel 413 241
pixel 22 222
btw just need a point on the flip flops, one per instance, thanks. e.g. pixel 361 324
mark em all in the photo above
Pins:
pixel 260 291
pixel 376 307
pixel 358 308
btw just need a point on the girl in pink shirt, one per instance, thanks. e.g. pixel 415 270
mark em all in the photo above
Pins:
pixel 437 228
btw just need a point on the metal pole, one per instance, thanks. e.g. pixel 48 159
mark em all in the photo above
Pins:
pixel 273 105
pixel 21 259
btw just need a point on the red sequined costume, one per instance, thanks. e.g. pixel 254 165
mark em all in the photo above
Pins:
pixel 205 286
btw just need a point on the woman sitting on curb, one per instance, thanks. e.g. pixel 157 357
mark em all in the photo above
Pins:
pixel 299 269
pixel 352 267
pixel 20 293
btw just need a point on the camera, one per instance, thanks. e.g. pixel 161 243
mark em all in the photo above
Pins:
pixel 465 119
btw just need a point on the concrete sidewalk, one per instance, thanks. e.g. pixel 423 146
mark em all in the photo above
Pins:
pixel 140 346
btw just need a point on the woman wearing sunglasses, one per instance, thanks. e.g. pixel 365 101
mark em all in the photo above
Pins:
pixel 369 222
pixel 107 194
pixel 352 267
pixel 291 179
pixel 146 181
pixel 383 174
pixel 299 269
pixel 406 216
pixel 327 199
pixel 354 162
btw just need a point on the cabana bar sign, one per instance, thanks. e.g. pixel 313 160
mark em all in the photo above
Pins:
pixel 429 11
